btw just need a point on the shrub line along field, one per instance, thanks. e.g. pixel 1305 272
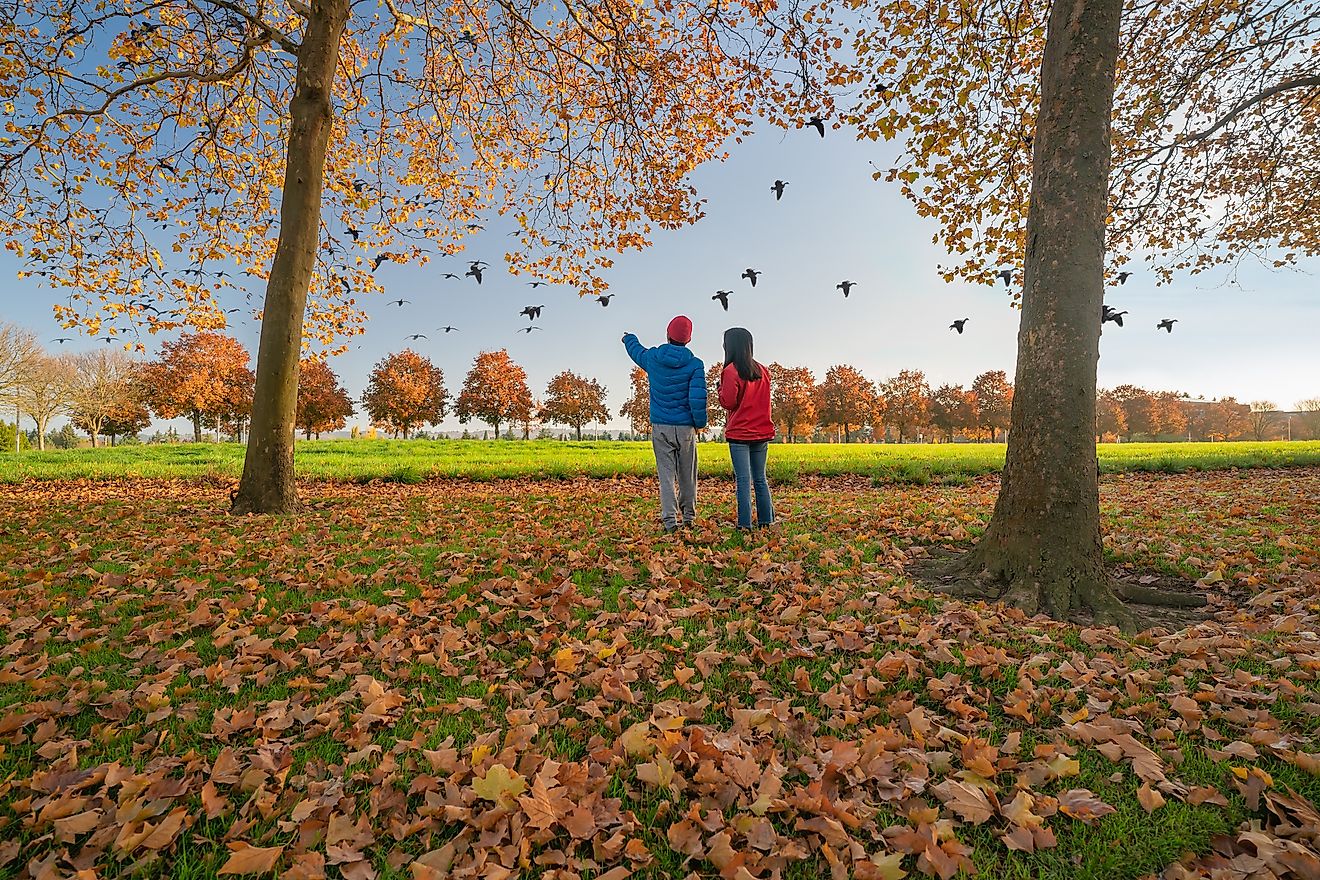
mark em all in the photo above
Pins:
pixel 414 461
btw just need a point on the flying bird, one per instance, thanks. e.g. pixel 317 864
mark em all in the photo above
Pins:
pixel 532 312
pixel 750 275
pixel 958 325
pixel 474 271
pixel 604 299
pixel 449 275
pixel 63 339
pixel 778 187
pixel 1123 277
pixel 354 232
pixel 1108 314
pixel 400 302
pixel 417 336
pixel 723 297
pixel 817 123
pixel 1166 325
pixel 846 287
pixel 474 226
pixel 1006 275
pixel 380 258
pixel 447 328
pixel 536 284
pixel 528 329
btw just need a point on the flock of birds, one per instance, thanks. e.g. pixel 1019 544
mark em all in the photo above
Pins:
pixel 477 268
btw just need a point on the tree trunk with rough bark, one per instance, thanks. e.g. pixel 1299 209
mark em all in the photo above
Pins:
pixel 267 485
pixel 197 428
pixel 1042 549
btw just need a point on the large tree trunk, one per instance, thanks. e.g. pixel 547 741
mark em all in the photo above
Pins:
pixel 267 485
pixel 1042 549
pixel 197 428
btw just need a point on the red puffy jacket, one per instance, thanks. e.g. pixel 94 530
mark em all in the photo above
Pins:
pixel 748 404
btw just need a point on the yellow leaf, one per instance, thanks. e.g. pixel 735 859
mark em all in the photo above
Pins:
pixel 500 785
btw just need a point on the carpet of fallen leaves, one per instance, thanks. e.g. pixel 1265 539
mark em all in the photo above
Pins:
pixel 525 679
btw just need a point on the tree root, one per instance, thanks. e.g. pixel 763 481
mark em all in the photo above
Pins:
pixel 1102 602
pixel 1162 598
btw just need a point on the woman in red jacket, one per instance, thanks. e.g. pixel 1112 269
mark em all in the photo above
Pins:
pixel 745 393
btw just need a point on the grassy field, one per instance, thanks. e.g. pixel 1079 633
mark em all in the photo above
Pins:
pixel 522 679
pixel 418 460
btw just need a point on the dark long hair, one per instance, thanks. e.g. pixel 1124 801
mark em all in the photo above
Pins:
pixel 738 351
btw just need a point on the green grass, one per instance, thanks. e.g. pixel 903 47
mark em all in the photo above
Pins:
pixel 414 461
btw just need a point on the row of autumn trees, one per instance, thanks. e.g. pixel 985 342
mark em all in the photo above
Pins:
pixel 848 406
pixel 206 378
pixel 406 391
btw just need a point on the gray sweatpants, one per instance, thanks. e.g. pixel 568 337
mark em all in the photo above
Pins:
pixel 676 462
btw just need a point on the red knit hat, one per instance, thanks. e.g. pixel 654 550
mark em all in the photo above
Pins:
pixel 680 330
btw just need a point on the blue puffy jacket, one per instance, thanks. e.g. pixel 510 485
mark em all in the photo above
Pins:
pixel 678 382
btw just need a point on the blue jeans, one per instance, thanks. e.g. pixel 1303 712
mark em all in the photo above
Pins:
pixel 749 474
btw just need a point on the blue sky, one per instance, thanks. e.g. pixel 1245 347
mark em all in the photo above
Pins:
pixel 1253 340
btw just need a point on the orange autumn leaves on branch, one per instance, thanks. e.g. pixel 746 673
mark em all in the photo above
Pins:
pixel 404 392
pixel 1222 84
pixel 141 164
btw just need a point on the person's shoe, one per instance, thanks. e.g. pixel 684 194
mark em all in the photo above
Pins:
pixel 669 530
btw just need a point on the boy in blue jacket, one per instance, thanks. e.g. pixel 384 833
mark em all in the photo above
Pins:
pixel 677 379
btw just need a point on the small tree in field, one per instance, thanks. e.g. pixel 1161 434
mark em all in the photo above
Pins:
pixel 323 404
pixel 1232 419
pixel 107 382
pixel 1110 420
pixel 19 352
pixel 793 400
pixel 574 401
pixel 994 401
pixel 1310 410
pixel 637 408
pixel 906 396
pixel 1138 407
pixel 404 392
pixel 495 391
pixel 846 399
pixel 203 376
pixel 46 390
pixel 1263 415
pixel 127 419
pixel 715 414
pixel 951 409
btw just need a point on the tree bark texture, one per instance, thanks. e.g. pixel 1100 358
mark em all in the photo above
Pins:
pixel 267 485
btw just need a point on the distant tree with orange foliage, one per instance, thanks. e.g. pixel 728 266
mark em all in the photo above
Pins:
pixel 846 399
pixel 127 418
pixel 951 408
pixel 793 401
pixel 994 401
pixel 637 408
pixel 495 391
pixel 574 401
pixel 405 391
pixel 203 376
pixel 716 417
pixel 905 397
pixel 323 404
